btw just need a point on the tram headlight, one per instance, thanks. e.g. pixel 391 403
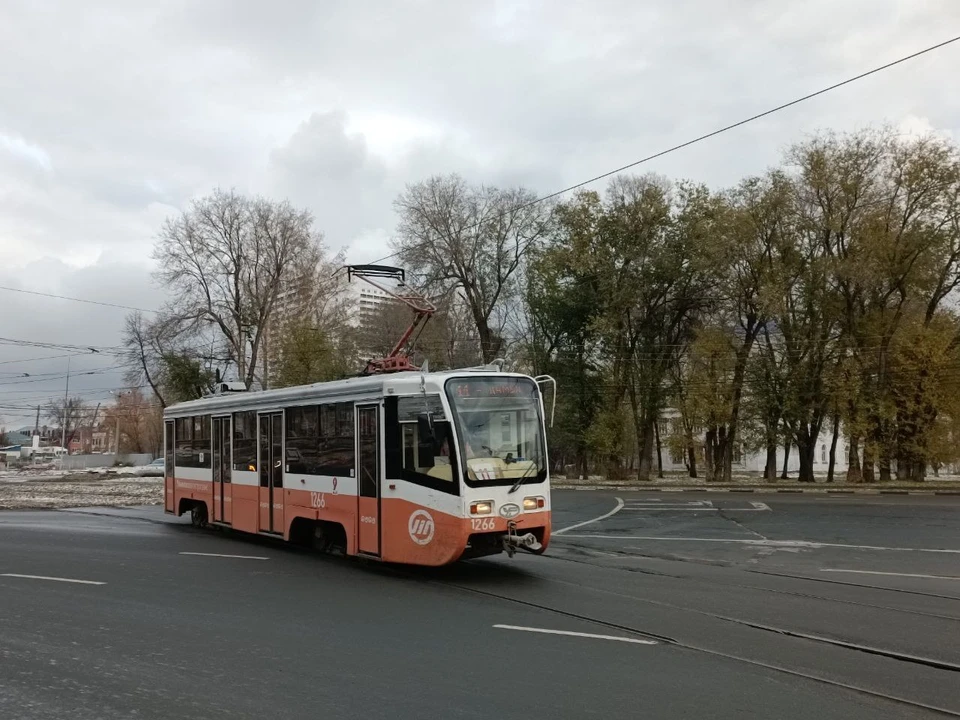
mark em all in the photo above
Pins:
pixel 484 507
pixel 533 503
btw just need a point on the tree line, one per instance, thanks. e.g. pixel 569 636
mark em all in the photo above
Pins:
pixel 818 297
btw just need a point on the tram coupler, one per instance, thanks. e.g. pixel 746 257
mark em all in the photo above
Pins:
pixel 513 542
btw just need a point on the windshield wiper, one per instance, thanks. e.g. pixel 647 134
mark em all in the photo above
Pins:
pixel 534 465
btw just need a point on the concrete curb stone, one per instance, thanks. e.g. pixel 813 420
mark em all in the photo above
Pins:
pixel 759 490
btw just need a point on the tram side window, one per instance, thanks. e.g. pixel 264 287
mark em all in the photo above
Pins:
pixel 201 441
pixel 193 441
pixel 184 436
pixel 433 459
pixel 303 440
pixel 245 441
pixel 335 449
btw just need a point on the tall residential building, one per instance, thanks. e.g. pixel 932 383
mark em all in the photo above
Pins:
pixel 365 302
pixel 298 303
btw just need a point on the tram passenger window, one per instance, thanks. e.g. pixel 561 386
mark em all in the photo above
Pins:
pixel 328 421
pixel 184 435
pixel 335 449
pixel 303 437
pixel 201 441
pixel 245 441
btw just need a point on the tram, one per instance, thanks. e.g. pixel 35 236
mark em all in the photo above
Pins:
pixel 399 464
pixel 420 468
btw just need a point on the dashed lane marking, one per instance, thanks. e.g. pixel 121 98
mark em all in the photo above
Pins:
pixel 243 557
pixel 891 574
pixel 546 631
pixel 56 579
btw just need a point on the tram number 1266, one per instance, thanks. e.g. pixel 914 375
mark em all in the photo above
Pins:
pixel 483 524
pixel 317 500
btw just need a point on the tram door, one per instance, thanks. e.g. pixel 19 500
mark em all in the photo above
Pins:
pixel 271 473
pixel 368 474
pixel 222 465
pixel 168 465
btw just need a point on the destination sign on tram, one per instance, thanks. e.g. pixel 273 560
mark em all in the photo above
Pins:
pixel 486 389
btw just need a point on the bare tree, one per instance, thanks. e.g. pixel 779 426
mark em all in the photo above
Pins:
pixel 137 422
pixel 472 240
pixel 144 349
pixel 68 415
pixel 171 356
pixel 226 259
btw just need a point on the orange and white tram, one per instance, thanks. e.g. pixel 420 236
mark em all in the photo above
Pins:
pixel 423 468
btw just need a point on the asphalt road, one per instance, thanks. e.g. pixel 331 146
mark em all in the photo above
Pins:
pixel 711 606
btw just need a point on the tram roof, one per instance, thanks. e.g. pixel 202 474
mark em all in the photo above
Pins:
pixel 359 387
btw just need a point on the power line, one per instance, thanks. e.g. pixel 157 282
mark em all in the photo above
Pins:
pixel 79 349
pixel 714 133
pixel 74 299
pixel 745 121
pixel 101 371
pixel 37 359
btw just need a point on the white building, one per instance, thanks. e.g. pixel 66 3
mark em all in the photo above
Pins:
pixel 365 301
pixel 747 461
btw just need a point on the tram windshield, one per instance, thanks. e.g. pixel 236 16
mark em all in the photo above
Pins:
pixel 501 429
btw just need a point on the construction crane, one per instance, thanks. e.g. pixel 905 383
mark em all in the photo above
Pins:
pixel 398 359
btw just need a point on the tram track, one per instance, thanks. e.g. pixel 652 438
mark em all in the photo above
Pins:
pixel 728 655
pixel 858 585
pixel 790 593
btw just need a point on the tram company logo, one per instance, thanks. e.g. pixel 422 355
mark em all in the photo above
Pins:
pixel 421 527
pixel 510 510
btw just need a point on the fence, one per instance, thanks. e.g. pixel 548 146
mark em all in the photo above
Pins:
pixel 82 462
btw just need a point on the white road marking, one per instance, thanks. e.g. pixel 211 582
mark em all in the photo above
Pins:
pixel 617 509
pixel 245 557
pixel 616 638
pixel 57 579
pixel 703 506
pixel 673 509
pixel 658 505
pixel 769 543
pixel 893 574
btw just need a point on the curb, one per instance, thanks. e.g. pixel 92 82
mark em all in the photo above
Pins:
pixel 764 491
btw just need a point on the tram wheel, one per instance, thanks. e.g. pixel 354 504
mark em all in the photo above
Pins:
pixel 198 515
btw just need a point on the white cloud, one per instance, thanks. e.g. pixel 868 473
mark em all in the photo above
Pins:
pixel 114 115
pixel 18 148
pixel 914 126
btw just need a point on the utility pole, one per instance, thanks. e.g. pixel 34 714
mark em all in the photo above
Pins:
pixel 117 394
pixel 36 426
pixel 93 423
pixel 66 410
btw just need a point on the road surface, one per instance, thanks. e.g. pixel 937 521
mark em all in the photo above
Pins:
pixel 667 605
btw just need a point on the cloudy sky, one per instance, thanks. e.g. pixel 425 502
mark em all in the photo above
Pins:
pixel 113 115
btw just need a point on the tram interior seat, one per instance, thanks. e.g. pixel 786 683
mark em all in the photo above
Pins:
pixel 441 471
